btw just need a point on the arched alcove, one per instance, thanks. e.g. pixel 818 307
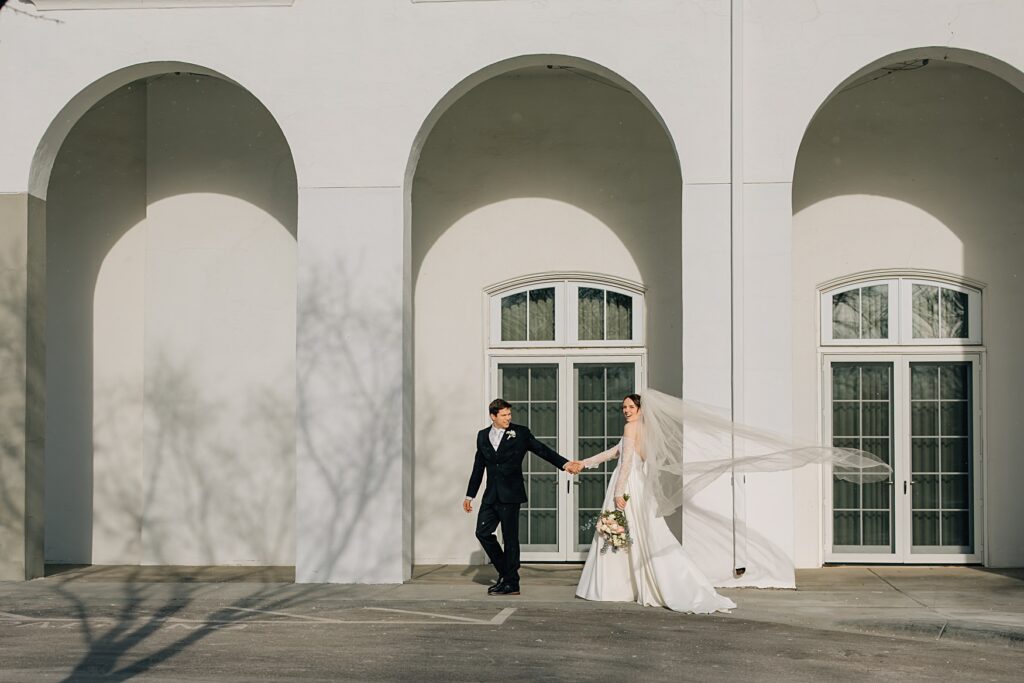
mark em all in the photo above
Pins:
pixel 171 213
pixel 916 163
pixel 539 164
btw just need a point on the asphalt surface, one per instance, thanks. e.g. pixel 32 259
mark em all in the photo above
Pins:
pixel 184 624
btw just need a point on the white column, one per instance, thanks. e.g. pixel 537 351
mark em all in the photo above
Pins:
pixel 22 385
pixel 351 282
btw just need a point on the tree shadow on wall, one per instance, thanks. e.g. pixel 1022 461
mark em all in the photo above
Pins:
pixel 350 412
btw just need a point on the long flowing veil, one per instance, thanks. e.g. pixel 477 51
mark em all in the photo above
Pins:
pixel 687 446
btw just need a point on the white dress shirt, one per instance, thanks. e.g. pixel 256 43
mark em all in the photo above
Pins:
pixel 496 436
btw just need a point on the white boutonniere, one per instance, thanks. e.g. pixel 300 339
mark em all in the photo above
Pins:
pixel 511 434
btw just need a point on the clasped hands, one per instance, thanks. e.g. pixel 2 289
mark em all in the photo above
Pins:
pixel 573 466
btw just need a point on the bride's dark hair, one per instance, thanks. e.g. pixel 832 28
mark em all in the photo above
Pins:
pixel 635 398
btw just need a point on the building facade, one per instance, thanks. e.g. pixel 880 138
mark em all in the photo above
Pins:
pixel 265 263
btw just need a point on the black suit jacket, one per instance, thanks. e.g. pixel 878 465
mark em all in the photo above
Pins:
pixel 504 467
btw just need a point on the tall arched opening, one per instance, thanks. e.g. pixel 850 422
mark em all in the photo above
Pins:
pixel 548 183
pixel 170 223
pixel 907 201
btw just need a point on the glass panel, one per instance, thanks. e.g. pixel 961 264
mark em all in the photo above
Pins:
pixel 513 317
pixel 955 491
pixel 542 314
pixel 941 465
pixel 954 314
pixel 862 513
pixel 845 382
pixel 925 492
pixel 954 381
pixel 875 495
pixel 879 447
pixel 876 382
pixel 955 455
pixel 876 527
pixel 845 494
pixel 535 390
pixel 600 388
pixel 586 523
pixel 538 464
pixel 875 314
pixel 544 419
pixel 620 382
pixel 924 383
pixel 543 490
pixel 515 383
pixel 846 315
pixel 875 418
pixel 924 418
pixel 954 418
pixel 956 529
pixel 591 489
pixel 589 447
pixel 544 385
pixel 925 528
pixel 620 316
pixel 924 454
pixel 925 303
pixel 846 527
pixel 846 419
pixel 591 419
pixel 543 527
pixel 591 313
pixel 591 383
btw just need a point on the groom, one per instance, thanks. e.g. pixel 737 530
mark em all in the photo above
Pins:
pixel 500 449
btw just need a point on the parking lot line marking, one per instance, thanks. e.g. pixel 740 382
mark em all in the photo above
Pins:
pixel 6 618
pixel 282 614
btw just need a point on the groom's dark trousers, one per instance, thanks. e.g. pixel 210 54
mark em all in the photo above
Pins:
pixel 505 492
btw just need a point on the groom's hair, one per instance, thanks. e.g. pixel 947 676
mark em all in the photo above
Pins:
pixel 498 405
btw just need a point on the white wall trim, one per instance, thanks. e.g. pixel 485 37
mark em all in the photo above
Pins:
pixel 912 273
pixel 576 276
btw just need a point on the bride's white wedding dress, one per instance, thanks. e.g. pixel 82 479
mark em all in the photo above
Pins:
pixel 655 570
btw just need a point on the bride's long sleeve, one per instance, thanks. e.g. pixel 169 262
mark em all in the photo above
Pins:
pixel 625 465
pixel 603 456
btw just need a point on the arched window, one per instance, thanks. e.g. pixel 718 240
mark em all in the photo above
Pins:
pixel 900 311
pixel 566 312
pixel 563 349
pixel 902 371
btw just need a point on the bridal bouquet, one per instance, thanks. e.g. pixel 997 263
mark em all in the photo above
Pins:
pixel 612 527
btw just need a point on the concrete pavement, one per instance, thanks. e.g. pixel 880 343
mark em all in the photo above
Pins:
pixel 842 623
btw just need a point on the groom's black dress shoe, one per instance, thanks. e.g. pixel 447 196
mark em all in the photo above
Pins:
pixel 506 589
pixel 492 588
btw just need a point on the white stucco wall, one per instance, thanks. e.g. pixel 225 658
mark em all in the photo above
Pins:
pixel 172 282
pixel 351 84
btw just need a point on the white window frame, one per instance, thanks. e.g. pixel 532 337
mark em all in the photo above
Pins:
pixel 573 313
pixel 907 320
pixel 566 288
pixel 826 314
pixel 901 316
pixel 568 549
pixel 902 358
pixel 495 316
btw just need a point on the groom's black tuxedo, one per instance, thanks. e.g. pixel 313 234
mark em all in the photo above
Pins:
pixel 505 492
pixel 504 466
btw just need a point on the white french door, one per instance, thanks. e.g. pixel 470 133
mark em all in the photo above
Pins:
pixel 921 413
pixel 571 403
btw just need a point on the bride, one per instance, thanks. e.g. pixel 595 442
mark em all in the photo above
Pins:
pixel 656 570
pixel 649 484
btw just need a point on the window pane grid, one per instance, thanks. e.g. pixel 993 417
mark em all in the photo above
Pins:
pixel 533 392
pixel 941 473
pixel 600 389
pixel 862 512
